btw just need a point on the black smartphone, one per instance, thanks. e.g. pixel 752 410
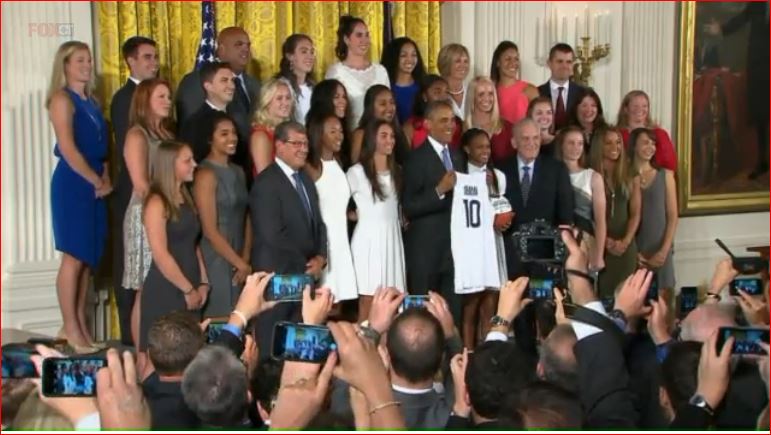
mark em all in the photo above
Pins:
pixel 70 376
pixel 286 288
pixel 608 304
pixel 17 363
pixel 298 342
pixel 745 339
pixel 414 301
pixel 689 299
pixel 541 288
pixel 653 290
pixel 744 265
pixel 215 328
pixel 751 286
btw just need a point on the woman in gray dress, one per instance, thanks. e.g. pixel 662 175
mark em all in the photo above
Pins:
pixel 221 198
pixel 659 211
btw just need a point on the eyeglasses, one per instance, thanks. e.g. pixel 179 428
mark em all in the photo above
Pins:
pixel 297 143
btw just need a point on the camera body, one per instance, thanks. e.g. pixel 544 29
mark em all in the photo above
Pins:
pixel 540 242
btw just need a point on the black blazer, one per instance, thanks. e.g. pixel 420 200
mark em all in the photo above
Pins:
pixel 427 238
pixel 284 238
pixel 574 94
pixel 119 117
pixel 193 131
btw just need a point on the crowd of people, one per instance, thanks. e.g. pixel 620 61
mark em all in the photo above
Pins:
pixel 369 182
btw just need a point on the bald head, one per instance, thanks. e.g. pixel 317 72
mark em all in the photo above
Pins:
pixel 557 361
pixel 234 47
pixel 415 345
pixel 705 320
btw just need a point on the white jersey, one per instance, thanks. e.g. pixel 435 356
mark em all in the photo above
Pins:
pixel 472 235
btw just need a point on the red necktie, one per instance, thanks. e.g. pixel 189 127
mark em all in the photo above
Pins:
pixel 559 112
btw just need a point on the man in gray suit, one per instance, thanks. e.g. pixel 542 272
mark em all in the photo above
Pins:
pixel 233 48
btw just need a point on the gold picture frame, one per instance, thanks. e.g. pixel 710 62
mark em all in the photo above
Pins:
pixel 693 197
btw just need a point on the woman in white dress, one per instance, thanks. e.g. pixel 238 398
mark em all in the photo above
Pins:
pixel 480 304
pixel 325 135
pixel 589 190
pixel 355 71
pixel 378 252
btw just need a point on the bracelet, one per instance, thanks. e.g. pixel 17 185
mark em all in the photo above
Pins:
pixel 188 291
pixel 384 405
pixel 203 283
pixel 241 316
pixel 583 275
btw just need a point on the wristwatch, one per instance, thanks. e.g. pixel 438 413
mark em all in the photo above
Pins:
pixel 499 321
pixel 370 333
pixel 698 401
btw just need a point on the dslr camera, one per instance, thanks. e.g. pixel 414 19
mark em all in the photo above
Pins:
pixel 540 242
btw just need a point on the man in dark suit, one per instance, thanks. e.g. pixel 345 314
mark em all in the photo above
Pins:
pixel 429 178
pixel 217 82
pixel 289 234
pixel 563 92
pixel 141 55
pixel 233 48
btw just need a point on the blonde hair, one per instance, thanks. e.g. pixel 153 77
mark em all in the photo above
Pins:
pixel 495 116
pixel 622 119
pixel 447 55
pixel 164 178
pixel 267 94
pixel 58 75
pixel 622 175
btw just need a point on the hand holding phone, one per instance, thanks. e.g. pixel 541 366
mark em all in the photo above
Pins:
pixel 215 329
pixel 70 376
pixel 751 286
pixel 744 265
pixel 689 300
pixel 745 339
pixel 541 288
pixel 414 301
pixel 17 361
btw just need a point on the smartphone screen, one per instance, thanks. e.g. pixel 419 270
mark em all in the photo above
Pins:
pixel 541 288
pixel 285 288
pixel 70 377
pixel 214 330
pixel 751 286
pixel 745 340
pixel 17 363
pixel 688 300
pixel 297 342
pixel 653 290
pixel 414 301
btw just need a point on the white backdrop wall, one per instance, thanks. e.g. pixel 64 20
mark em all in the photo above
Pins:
pixel 643 56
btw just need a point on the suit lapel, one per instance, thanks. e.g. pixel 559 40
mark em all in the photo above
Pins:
pixel 292 194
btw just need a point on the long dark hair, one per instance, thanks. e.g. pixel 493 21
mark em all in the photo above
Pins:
pixel 322 104
pixel 315 128
pixel 495 75
pixel 402 146
pixel 599 121
pixel 345 27
pixel 367 160
pixel 284 67
pixel 211 124
pixel 633 136
pixel 419 107
pixel 390 60
pixel 465 141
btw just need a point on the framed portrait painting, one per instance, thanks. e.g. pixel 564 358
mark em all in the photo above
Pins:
pixel 722 107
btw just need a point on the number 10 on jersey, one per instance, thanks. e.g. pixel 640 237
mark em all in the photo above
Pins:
pixel 472 207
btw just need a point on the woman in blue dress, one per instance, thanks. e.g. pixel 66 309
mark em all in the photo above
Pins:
pixel 79 184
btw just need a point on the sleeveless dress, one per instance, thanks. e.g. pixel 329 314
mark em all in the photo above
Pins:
pixel 268 132
pixel 617 268
pixel 405 100
pixel 136 249
pixel 334 195
pixel 356 83
pixel 653 224
pixel 512 101
pixel 79 218
pixel 159 295
pixel 232 200
pixel 377 248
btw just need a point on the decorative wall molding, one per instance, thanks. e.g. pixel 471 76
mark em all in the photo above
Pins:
pixel 32 31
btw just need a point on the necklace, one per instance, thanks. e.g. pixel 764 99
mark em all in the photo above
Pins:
pixel 460 92
pixel 645 180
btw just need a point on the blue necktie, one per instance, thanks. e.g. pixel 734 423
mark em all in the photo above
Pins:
pixel 298 185
pixel 525 183
pixel 446 159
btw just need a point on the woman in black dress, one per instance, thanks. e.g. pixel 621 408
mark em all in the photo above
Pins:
pixel 177 278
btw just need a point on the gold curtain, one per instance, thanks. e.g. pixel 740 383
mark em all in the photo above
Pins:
pixel 176 27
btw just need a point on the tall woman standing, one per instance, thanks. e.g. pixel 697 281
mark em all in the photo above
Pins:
pixel 79 184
